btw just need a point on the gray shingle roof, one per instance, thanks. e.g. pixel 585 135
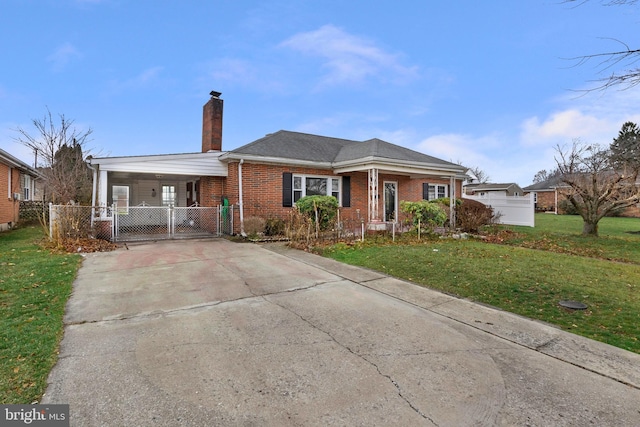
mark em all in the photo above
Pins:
pixel 549 184
pixel 303 146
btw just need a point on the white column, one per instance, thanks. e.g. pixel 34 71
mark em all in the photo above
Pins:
pixel 452 202
pixel 102 188
pixel 373 195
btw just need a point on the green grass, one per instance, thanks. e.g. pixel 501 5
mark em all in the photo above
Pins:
pixel 619 237
pixel 526 281
pixel 34 287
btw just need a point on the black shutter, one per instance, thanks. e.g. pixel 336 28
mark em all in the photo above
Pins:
pixel 346 191
pixel 287 189
pixel 425 191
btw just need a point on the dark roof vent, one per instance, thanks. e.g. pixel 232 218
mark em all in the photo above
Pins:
pixel 215 94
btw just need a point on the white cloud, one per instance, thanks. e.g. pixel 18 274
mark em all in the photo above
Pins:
pixel 564 126
pixel 458 148
pixel 150 77
pixel 62 56
pixel 348 58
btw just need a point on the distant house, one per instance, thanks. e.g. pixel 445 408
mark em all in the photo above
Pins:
pixel 546 194
pixel 17 182
pixel 507 189
pixel 266 177
pixel 549 194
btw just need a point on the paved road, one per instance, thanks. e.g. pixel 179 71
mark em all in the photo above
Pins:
pixel 214 333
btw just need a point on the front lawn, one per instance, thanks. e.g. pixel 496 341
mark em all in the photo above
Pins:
pixel 34 288
pixel 529 272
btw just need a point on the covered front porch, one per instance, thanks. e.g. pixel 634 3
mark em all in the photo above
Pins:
pixel 388 184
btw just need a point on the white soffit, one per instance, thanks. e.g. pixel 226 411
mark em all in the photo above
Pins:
pixel 195 164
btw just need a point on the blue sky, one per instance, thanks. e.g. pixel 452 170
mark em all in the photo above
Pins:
pixel 485 84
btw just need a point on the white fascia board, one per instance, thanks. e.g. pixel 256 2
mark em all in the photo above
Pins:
pixel 401 168
pixel 384 163
pixel 14 162
pixel 196 164
pixel 274 160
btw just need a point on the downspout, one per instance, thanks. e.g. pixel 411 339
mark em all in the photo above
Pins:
pixel 94 184
pixel 240 205
pixel 93 189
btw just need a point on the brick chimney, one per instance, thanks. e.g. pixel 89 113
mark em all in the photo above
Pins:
pixel 212 123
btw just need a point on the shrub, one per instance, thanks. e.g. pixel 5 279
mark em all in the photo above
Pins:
pixel 565 207
pixel 254 225
pixel 425 213
pixel 274 227
pixel 324 208
pixel 472 214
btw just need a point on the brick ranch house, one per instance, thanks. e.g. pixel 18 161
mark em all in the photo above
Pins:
pixel 266 177
pixel 17 182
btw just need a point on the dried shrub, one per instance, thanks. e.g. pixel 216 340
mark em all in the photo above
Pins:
pixel 298 227
pixel 471 215
pixel 274 227
pixel 254 225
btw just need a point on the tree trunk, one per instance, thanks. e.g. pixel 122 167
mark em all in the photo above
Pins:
pixel 590 228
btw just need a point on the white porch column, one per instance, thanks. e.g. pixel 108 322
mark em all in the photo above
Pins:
pixel 452 201
pixel 373 195
pixel 102 188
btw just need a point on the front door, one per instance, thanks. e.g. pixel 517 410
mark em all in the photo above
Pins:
pixel 390 201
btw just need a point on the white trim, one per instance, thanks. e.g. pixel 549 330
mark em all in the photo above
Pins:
pixel 275 160
pixel 303 190
pixel 405 166
pixel 447 190
pixel 195 164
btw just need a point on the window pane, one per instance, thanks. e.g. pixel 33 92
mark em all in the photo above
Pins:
pixel 432 192
pixel 297 195
pixel 441 191
pixel 120 194
pixel 168 195
pixel 316 187
pixel 297 183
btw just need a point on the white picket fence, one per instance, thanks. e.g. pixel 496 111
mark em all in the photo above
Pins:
pixel 512 210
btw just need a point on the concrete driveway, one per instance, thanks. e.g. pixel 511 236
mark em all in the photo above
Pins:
pixel 214 333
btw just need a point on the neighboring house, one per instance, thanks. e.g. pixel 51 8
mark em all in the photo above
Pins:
pixel 546 194
pixel 549 194
pixel 506 189
pixel 17 182
pixel 266 177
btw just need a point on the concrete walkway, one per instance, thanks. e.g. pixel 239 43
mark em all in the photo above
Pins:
pixel 214 333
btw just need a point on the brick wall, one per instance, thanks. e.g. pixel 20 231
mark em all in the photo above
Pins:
pixel 545 200
pixel 262 190
pixel 9 208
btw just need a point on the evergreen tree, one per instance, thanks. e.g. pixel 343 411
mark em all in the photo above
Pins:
pixel 625 148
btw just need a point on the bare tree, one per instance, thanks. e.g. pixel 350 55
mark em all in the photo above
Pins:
pixel 626 57
pixel 544 175
pixel 593 186
pixel 481 176
pixel 59 150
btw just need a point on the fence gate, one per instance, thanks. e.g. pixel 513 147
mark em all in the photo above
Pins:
pixel 158 223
